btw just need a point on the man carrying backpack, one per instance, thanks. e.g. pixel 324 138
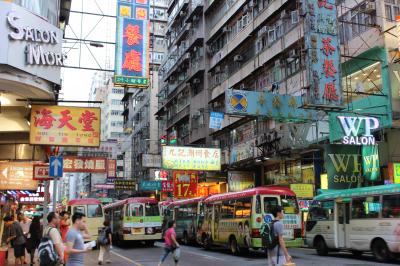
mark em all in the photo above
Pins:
pixel 105 241
pixel 272 234
pixel 51 248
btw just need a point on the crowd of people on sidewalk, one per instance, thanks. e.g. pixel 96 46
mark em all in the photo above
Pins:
pixel 57 243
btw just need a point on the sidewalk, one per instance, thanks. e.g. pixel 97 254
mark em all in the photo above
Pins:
pixel 90 259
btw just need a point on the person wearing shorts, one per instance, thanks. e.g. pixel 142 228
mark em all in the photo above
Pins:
pixel 17 238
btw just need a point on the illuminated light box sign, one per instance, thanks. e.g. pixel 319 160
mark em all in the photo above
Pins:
pixel 74 164
pixel 357 130
pixel 65 126
pixel 188 158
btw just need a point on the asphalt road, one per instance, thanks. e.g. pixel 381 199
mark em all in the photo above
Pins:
pixel 194 256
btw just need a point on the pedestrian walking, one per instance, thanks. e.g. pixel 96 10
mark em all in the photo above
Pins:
pixel 16 238
pixel 51 247
pixel 64 224
pixel 75 244
pixel 25 223
pixel 35 234
pixel 278 255
pixel 171 244
pixel 105 241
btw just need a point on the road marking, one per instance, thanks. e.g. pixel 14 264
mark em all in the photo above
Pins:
pixel 202 255
pixel 127 259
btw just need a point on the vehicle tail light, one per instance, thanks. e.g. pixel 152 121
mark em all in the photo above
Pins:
pixel 126 230
pixel 255 233
pixel 297 233
pixel 258 220
pixel 149 231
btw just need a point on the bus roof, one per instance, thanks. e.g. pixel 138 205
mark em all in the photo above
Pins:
pixel 187 201
pixel 131 200
pixel 273 190
pixel 84 201
pixel 355 192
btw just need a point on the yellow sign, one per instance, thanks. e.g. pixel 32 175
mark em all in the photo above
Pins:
pixel 396 177
pixel 303 190
pixel 65 126
pixel 188 158
pixel 17 176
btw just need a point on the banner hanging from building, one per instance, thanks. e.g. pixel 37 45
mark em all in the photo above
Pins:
pixel 185 184
pixel 74 164
pixel 277 106
pixel 132 43
pixel 216 119
pixel 370 163
pixel 188 158
pixel 343 166
pixel 65 126
pixel 323 54
pixel 240 180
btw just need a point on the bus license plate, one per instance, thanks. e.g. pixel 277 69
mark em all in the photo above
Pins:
pixel 137 230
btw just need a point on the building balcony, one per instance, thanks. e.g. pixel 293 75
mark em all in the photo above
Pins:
pixel 178 116
pixel 195 8
pixel 196 36
pixel 196 66
pixel 177 12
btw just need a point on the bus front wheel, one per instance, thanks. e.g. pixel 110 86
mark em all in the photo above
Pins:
pixel 321 247
pixel 381 250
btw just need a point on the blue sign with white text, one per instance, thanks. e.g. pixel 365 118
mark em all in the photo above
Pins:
pixel 150 185
pixel 216 119
pixel 56 166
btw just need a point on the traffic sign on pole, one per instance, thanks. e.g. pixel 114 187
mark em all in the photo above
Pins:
pixel 56 166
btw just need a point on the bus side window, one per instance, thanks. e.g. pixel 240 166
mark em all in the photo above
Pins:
pixel 365 208
pixel 80 209
pixel 323 212
pixel 391 206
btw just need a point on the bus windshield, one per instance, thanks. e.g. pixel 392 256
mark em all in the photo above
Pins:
pixel 152 210
pixel 289 204
pixel 135 210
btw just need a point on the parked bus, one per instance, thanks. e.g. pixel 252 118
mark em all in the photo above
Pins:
pixel 187 214
pixel 135 219
pixel 360 220
pixel 234 219
pixel 93 210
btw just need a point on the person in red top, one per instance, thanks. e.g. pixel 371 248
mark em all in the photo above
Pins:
pixel 64 224
pixel 171 245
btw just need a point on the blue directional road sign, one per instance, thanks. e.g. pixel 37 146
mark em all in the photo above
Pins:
pixel 56 166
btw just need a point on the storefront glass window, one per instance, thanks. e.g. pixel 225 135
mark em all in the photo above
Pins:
pixel 363 82
pixel 44 8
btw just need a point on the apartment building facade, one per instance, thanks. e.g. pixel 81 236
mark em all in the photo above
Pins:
pixel 140 127
pixel 260 45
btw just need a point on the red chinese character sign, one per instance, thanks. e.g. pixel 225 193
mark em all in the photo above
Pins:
pixel 185 184
pixel 65 126
pixel 111 168
pixel 167 186
pixel 323 55
pixel 132 44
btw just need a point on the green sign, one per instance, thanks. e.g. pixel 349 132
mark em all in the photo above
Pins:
pixel 131 81
pixel 343 166
pixel 150 185
pixel 370 162
pixel 396 170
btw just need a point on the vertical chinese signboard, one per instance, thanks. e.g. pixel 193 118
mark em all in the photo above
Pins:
pixel 185 184
pixel 323 54
pixel 65 126
pixel 111 168
pixel 132 43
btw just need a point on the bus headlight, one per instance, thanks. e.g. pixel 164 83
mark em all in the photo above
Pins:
pixel 149 231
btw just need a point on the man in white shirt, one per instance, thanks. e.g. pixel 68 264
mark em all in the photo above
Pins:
pixel 53 220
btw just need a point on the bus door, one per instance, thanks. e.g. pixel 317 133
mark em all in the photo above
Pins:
pixel 343 222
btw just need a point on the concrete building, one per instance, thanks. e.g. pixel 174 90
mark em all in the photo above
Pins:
pixel 260 46
pixel 140 127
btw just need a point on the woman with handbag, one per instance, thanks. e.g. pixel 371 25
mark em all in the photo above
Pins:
pixel 35 232
pixel 171 244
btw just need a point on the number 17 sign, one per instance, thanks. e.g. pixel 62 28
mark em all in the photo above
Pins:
pixel 185 184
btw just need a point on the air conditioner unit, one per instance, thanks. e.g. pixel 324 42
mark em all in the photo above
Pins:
pixel 225 29
pixel 216 143
pixel 251 4
pixel 217 69
pixel 293 53
pixel 294 16
pixel 370 6
pixel 238 58
pixel 187 56
pixel 196 81
pixel 182 13
pixel 277 63
pixel 262 31
pixel 242 86
pixel 284 15
pixel 209 50
pixel 195 48
pixel 189 25
pixel 196 18
pixel 172 78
